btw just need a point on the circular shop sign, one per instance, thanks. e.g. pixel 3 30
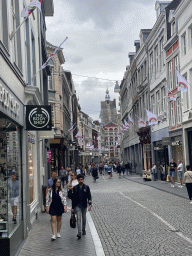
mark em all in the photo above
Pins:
pixel 39 118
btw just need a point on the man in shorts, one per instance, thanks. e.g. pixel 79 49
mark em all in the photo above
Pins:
pixel 13 186
pixel 171 174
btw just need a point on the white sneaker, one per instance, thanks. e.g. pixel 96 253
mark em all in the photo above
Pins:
pixel 173 186
pixel 58 235
pixel 191 202
pixel 53 237
pixel 181 186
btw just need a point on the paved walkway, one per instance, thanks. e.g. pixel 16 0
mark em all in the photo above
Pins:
pixel 39 243
pixel 161 185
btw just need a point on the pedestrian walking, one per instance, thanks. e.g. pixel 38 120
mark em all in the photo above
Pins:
pixel 56 205
pixel 105 167
pixel 126 168
pixel 180 172
pixel 153 171
pixel 109 170
pixel 162 171
pixel 13 186
pixel 73 181
pixel 50 181
pixel 62 175
pixel 123 168
pixel 118 168
pixel 81 197
pixel 101 168
pixel 130 168
pixel 78 170
pixel 87 168
pixel 188 182
pixel 171 174
pixel 94 172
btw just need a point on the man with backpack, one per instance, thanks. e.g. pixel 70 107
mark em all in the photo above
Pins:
pixel 81 197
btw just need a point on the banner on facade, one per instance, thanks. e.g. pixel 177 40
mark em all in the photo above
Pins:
pixel 38 118
pixel 49 156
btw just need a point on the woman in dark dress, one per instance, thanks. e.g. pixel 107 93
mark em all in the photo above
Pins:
pixel 118 168
pixel 56 205
pixel 94 172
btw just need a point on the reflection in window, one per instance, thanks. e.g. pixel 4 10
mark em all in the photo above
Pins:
pixel 31 148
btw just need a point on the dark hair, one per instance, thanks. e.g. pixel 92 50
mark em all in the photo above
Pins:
pixel 54 184
pixel 80 176
pixel 188 167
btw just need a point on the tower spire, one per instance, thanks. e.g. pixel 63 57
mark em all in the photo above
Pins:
pixel 107 97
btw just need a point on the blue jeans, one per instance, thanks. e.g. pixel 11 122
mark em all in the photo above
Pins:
pixel 126 170
pixel 81 212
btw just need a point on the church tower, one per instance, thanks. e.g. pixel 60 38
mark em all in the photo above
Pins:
pixel 108 110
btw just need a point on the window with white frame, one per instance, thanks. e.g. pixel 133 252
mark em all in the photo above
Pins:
pixel 147 103
pixel 141 77
pixel 143 105
pixel 161 53
pixel 170 75
pixel 176 66
pixel 4 34
pixel 173 28
pixel 158 102
pixel 156 60
pixel 163 99
pixel 186 94
pixel 151 65
pixel 172 113
pixel 183 44
pixel 190 36
pixel 153 103
pixel 178 110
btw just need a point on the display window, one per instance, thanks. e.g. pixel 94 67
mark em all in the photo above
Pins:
pixel 10 177
pixel 31 164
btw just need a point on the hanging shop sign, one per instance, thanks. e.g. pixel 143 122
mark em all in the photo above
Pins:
pixel 38 118
pixel 49 156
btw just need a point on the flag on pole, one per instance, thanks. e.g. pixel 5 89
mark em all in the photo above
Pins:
pixel 131 120
pixel 170 94
pixel 118 136
pixel 87 146
pixel 31 7
pixel 72 128
pixel 141 122
pixel 51 56
pixel 152 118
pixel 78 135
pixel 117 144
pixel 122 130
pixel 126 124
pixel 182 82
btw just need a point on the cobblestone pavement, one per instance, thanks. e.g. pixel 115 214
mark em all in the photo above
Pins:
pixel 39 241
pixel 138 220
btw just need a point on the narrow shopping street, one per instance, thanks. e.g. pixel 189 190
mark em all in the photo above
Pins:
pixel 131 217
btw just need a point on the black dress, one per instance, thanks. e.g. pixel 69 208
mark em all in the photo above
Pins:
pixel 56 207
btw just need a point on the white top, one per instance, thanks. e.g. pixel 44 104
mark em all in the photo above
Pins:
pixel 188 177
pixel 180 167
pixel 74 183
pixel 78 171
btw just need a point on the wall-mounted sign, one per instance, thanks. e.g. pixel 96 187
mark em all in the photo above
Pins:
pixel 38 118
pixel 166 141
pixel 176 143
pixel 49 156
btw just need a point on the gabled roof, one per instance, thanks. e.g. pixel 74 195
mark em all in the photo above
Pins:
pixel 110 125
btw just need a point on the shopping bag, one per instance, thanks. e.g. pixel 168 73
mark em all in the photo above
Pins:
pixel 111 175
pixel 73 220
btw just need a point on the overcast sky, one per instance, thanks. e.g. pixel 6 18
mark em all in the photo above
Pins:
pixel 100 35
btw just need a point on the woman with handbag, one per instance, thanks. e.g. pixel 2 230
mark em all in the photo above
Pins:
pixel 56 205
pixel 188 182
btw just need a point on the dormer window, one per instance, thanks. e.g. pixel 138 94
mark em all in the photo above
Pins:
pixel 173 27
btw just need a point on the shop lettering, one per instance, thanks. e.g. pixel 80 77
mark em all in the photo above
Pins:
pixel 39 119
pixel 8 101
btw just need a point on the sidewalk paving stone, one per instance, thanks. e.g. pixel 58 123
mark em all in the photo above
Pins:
pixel 161 185
pixel 39 241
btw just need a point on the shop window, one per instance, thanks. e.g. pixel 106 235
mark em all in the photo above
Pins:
pixel 10 177
pixel 31 155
